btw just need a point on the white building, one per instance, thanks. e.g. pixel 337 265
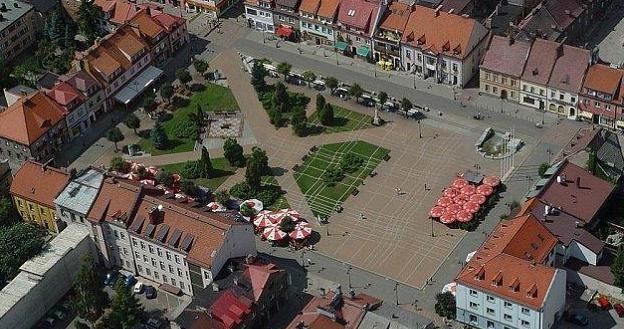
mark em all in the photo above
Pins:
pixel 442 46
pixel 510 283
pixel 259 15
pixel 566 80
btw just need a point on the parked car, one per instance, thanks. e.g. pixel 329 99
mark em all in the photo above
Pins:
pixel 578 319
pixel 50 321
pixel 150 292
pixel 153 323
pixel 110 279
pixel 390 106
pixel 366 100
pixel 342 93
pixel 59 314
pixel 130 280
pixel 619 309
pixel 138 288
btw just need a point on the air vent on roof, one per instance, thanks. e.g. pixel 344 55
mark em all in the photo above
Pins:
pixel 351 12
pixel 162 233
pixel 149 231
pixel 534 246
pixel 175 237
pixel 186 243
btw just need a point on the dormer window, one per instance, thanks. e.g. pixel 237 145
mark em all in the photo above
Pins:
pixel 515 285
pixel 351 12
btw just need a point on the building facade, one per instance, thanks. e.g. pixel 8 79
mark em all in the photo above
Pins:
pixel 318 21
pixel 286 19
pixel 537 71
pixel 216 7
pixel 259 14
pixel 387 37
pixel 357 20
pixel 502 67
pixel 602 96
pixel 17 28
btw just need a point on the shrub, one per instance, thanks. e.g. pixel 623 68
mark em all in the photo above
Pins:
pixel 542 169
pixel 332 176
pixel 189 188
pixel 185 129
pixel 241 190
pixel 287 224
pixel 269 194
pixel 222 197
pixel 164 177
pixel 191 170
pixel 120 165
pixel 247 211
pixel 351 163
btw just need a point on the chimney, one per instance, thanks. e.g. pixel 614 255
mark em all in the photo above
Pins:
pixel 577 224
pixel 546 210
pixel 437 11
pixel 154 215
pixel 567 12
pixel 16 4
pixel 322 292
pixel 559 179
pixel 578 182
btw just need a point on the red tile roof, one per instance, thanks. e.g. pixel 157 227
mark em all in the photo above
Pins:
pixel 309 6
pixel 64 93
pixel 80 80
pixel 396 17
pixel 580 193
pixel 441 32
pixel 603 78
pixel 508 263
pixel 357 13
pixel 328 8
pixel 147 24
pixel 541 61
pixel 29 118
pixel 230 309
pixel 114 202
pixel 260 275
pixel 570 68
pixel 506 56
pixel 121 11
pixel 38 183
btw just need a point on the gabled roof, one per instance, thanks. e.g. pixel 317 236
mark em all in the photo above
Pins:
pixel 310 6
pixel 440 32
pixel 120 11
pixel 64 93
pixel 29 118
pixel 114 202
pixel 541 61
pixel 81 192
pixel 81 80
pixel 260 275
pixel 357 13
pixel 603 78
pixel 396 16
pixel 559 14
pixel 39 183
pixel 328 8
pixel 230 309
pixel 570 68
pixel 506 56
pixel 579 193
pixel 166 20
pixel 146 24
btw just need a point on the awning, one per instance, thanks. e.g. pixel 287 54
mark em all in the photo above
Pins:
pixel 138 84
pixel 284 31
pixel 341 45
pixel 363 51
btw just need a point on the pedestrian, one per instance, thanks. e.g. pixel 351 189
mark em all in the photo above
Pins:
pixel 425 186
pixel 361 216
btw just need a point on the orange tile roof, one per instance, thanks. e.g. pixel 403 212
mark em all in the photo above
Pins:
pixel 29 118
pixel 146 24
pixel 38 183
pixel 260 275
pixel 100 60
pixel 114 201
pixel 114 51
pixel 309 6
pixel 396 16
pixel 328 8
pixel 445 33
pixel 351 311
pixel 509 262
pixel 603 78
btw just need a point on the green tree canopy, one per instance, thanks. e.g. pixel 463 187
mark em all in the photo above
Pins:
pixel 541 171
pixel 320 102
pixel 200 66
pixel 356 91
pixel 89 298
pixel 280 99
pixel 309 77
pixel 18 243
pixel 114 135
pixel 445 305
pixel 258 73
pixel 120 165
pixel 222 197
pixel 149 101
pixel 406 104
pixel 159 137
pixel 233 152
pixel 284 69
pixel 299 122
pixel 166 91
pixel 133 122
pixel 331 83
pixel 327 115
pixel 88 17
pixel 206 169
pixel 189 188
pixel 260 157
pixel 164 177
pixel 184 76
pixel 617 267
pixel 383 97
pixel 8 213
pixel 125 307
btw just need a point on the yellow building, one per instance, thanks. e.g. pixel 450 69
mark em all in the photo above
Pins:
pixel 34 188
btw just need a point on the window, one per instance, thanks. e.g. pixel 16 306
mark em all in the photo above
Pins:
pixel 151 249
pixel 525 323
pixel 474 305
pixel 159 252
pixel 552 94
pixel 206 275
pixel 140 268
pixel 473 293
pixel 153 262
pixel 177 259
pixel 179 272
pixel 125 251
pixel 454 66
pixel 170 269
pixel 138 256
pixel 156 275
pixel 490 299
pixel 252 12
pixel 507 317
pixel 508 305
pixel 473 319
pixel 144 259
pixel 490 324
pixel 525 311
pixel 164 278
pixel 162 266
pixel 148 271
pixel 408 54
pixel 121 235
pixel 142 245
pixel 182 285
pixel 168 255
pixel 173 282
pixel 524 87
pixel 487 88
pixel 489 311
pixel 504 80
pixel 495 90
pixel 542 92
pixel 572 99
pixel 116 235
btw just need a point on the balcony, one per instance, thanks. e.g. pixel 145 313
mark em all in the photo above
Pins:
pixel 387 51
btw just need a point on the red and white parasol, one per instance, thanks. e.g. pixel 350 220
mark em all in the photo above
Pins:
pixel 436 211
pixel 463 216
pixel 294 214
pixel 277 216
pixel 263 219
pixel 152 170
pixel 149 182
pixel 459 201
pixel 447 218
pixel 454 208
pixel 255 204
pixel 478 198
pixel 176 178
pixel 135 166
pixel 131 176
pixel 471 207
pixel 444 201
pixel 450 192
pixel 468 190
pixel 485 190
pixel 301 232
pixel 450 287
pixel 460 183
pixel 493 181
pixel 273 233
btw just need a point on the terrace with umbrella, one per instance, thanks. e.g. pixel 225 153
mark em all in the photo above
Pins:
pixel 284 226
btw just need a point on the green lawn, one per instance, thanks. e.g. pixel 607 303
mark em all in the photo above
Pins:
pixel 323 199
pixel 344 120
pixel 213 98
pixel 222 169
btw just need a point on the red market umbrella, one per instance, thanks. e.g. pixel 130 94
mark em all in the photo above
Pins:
pixel 463 216
pixel 478 198
pixel 485 190
pixel 436 211
pixel 460 183
pixel 263 219
pixel 294 214
pixel 450 192
pixel 471 207
pixel 273 233
pixel 444 201
pixel 447 218
pixel 493 181
pixel 301 232
pixel 454 208
pixel 459 201
pixel 469 190
pixel 276 217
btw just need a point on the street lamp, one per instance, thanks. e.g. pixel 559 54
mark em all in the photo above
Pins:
pixel 550 153
pixel 396 292
pixel 349 276
pixel 432 235
pixel 419 129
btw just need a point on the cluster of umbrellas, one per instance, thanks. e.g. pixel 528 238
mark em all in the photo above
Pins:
pixel 460 201
pixel 150 179
pixel 268 222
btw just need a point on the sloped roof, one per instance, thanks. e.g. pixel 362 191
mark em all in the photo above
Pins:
pixel 114 202
pixel 81 80
pixel 603 78
pixel 570 68
pixel 506 56
pixel 147 24
pixel 309 6
pixel 260 275
pixel 64 93
pixel 81 192
pixel 541 61
pixel 396 16
pixel 328 8
pixel 39 183
pixel 29 118
pixel 357 13
pixel 551 13
pixel 230 309
pixel 441 32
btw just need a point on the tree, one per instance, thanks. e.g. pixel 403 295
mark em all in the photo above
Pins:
pixel 275 116
pixel 149 101
pixel 189 188
pixel 120 165
pixel 445 305
pixel 592 162
pixel 320 102
pixel 206 169
pixel 166 91
pixel 287 224
pixel 133 122
pixel 55 28
pixel 89 298
pixel 197 119
pixel 159 138
pixel 125 307
pixel 184 76
pixel 284 69
pixel 299 122
pixel 280 100
pixel 5 74
pixel 542 169
pixel 222 197
pixel 18 243
pixel 258 73
pixel 406 104
pixel 114 135
pixel 7 211
pixel 260 157
pixel 164 177
pixel 617 267
pixel 309 77
pixel 331 83
pixel 233 152
pixel 327 115
pixel 200 66
pixel 383 97
pixel 88 17
pixel 356 91
pixel 247 211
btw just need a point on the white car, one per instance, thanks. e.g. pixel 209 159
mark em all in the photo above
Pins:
pixel 138 288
